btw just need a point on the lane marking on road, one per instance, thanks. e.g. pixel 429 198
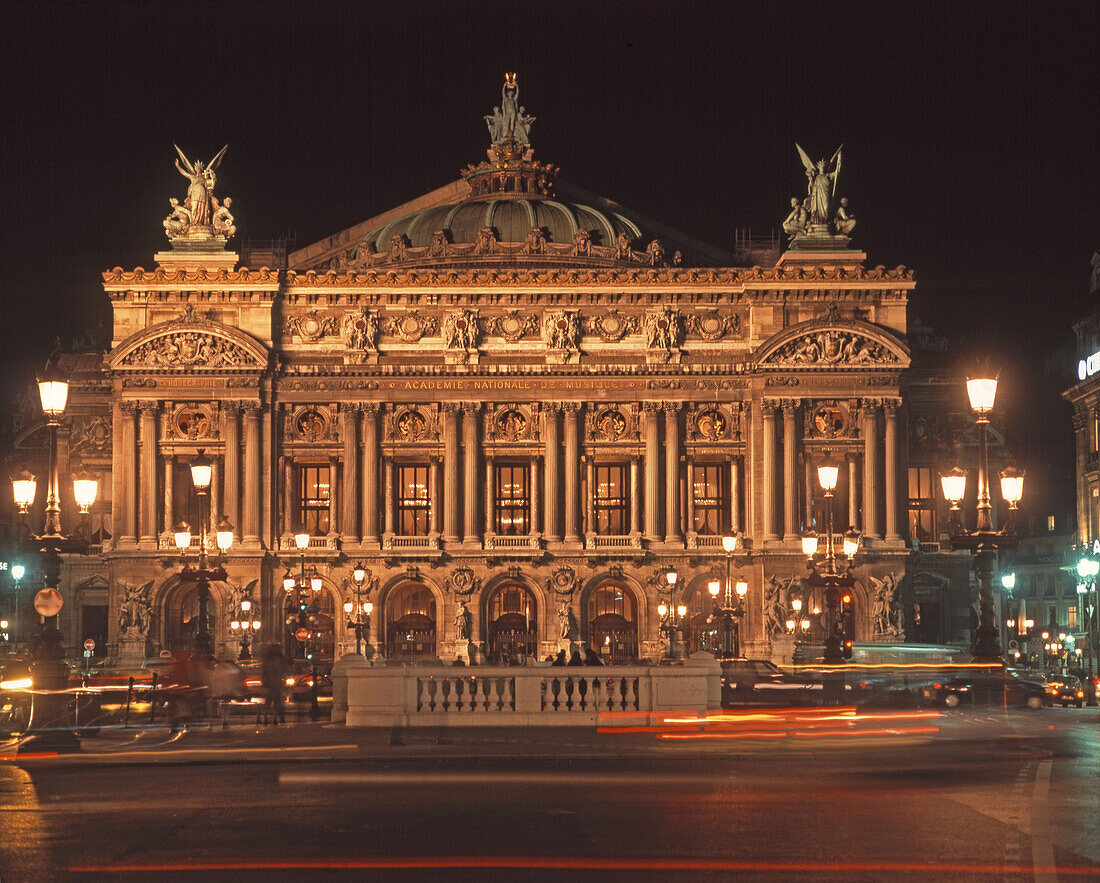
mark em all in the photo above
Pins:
pixel 337 777
pixel 1042 847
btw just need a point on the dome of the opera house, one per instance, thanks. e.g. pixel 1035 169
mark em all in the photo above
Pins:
pixel 511 219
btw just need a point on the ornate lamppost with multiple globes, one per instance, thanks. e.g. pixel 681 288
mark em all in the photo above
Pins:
pixel 202 472
pixel 984 540
pixel 358 612
pixel 245 629
pixel 48 728
pixel 729 615
pixel 671 615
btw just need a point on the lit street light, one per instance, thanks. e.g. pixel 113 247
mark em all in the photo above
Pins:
pixel 671 616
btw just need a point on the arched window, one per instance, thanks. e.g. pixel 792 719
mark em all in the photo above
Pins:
pixel 182 623
pixel 612 623
pixel 410 622
pixel 317 616
pixel 702 629
pixel 512 623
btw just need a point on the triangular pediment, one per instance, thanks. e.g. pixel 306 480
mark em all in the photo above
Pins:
pixel 832 343
pixel 192 344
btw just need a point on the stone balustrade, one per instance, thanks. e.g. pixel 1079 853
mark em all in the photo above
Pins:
pixel 437 695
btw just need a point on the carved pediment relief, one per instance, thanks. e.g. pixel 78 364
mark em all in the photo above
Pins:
pixel 91 435
pixel 190 342
pixel 852 343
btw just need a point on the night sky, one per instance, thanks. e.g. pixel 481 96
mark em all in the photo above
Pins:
pixel 970 130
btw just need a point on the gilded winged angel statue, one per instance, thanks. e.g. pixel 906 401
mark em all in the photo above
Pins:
pixel 822 177
pixel 200 193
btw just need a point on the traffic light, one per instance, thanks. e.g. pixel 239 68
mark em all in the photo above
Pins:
pixel 846 648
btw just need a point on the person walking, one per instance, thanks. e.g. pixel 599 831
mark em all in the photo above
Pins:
pixel 273 681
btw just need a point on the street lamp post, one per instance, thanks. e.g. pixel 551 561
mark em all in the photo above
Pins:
pixel 1087 570
pixel 359 613
pixel 834 585
pixel 245 629
pixel 984 540
pixel 202 471
pixel 672 616
pixel 47 729
pixel 729 615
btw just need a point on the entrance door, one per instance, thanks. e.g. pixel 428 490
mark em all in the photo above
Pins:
pixel 410 623
pixel 93 621
pixel 612 626
pixel 183 618
pixel 512 627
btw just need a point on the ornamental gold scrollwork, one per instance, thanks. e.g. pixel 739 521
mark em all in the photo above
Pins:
pixel 311 326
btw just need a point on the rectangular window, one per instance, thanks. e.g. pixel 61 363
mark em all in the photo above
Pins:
pixel 922 505
pixel 314 490
pixel 414 502
pixel 513 499
pixel 1071 617
pixel 711 500
pixel 612 500
pixel 1050 524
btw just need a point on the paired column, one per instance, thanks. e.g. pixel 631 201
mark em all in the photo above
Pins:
pixel 767 495
pixel 635 499
pixel 891 465
pixel 169 493
pixel 290 522
pixel 572 472
pixel 349 526
pixel 853 493
pixel 231 416
pixel 735 495
pixel 333 467
pixel 652 471
pixel 690 515
pixel 252 451
pixel 148 507
pixel 436 483
pixel 490 497
pixel 673 533
pixel 127 531
pixel 590 495
pixel 790 473
pixel 370 473
pixel 552 458
pixel 388 505
pixel 535 507
pixel 870 469
pixel 450 472
pixel 470 462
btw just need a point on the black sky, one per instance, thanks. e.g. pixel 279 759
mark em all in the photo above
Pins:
pixel 970 132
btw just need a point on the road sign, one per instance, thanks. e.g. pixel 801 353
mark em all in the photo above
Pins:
pixel 1013 645
pixel 89 645
pixel 47 602
pixel 302 634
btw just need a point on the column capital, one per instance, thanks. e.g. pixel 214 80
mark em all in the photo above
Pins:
pixel 670 407
pixel 769 406
pixel 252 409
pixel 369 408
pixel 232 406
pixel 651 407
pixel 471 407
pixel 551 407
pixel 891 406
pixel 790 407
pixel 450 408
pixel 149 407
pixel 870 406
pixel 129 407
pixel 571 407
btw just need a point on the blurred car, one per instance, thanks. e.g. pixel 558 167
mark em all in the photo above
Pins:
pixel 1066 690
pixel 963 688
pixel 299 681
pixel 762 682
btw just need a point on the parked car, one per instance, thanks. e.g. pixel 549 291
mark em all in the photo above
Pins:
pixel 963 688
pixel 1066 690
pixel 761 682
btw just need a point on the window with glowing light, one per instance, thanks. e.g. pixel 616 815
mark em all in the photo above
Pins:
pixel 512 482
pixel 612 623
pixel 314 489
pixel 414 502
pixel 512 621
pixel 922 504
pixel 410 619
pixel 611 500
pixel 711 500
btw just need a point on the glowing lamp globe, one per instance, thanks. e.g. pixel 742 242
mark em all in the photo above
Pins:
pixel 670 577
pixel 796 604
pixel 827 475
pixel 954 486
pixel 17 571
pixel 742 589
pixel 246 605
pixel 729 543
pixel 1008 580
pixel 315 582
pixel 712 587
pixel 53 392
pixel 681 610
pixel 851 543
pixel 809 545
pixel 662 609
pixel 288 581
pixel 224 534
pixel 1012 486
pixel 48 602
pixel 360 573
pixel 202 471
pixel 369 607
pixel 85 490
pixel 23 486
pixel 348 607
pixel 982 392
pixel 182 535
pixel 301 540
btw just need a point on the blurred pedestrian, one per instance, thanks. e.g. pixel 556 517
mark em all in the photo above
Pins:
pixel 575 659
pixel 559 660
pixel 273 681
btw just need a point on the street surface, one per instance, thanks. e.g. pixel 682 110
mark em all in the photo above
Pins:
pixel 967 795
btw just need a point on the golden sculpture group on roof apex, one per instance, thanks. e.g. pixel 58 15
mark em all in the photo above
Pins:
pixel 200 216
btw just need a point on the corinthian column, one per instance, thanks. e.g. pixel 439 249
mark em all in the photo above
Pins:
pixel 251 529
pixel 350 516
pixel 388 506
pixel 635 499
pixel 652 471
pixel 127 530
pixel 470 457
pixel 231 415
pixel 767 494
pixel 870 469
pixel 169 490
pixel 148 475
pixel 790 473
pixel 572 472
pixel 735 495
pixel 673 534
pixel 853 493
pixel 370 499
pixel 552 458
pixel 450 473
pixel 891 465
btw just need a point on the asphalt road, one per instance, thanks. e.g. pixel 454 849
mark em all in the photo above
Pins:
pixel 975 796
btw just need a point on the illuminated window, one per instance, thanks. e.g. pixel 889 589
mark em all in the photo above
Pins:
pixel 314 490
pixel 414 504
pixel 611 500
pixel 1071 617
pixel 1050 524
pixel 922 505
pixel 513 499
pixel 711 504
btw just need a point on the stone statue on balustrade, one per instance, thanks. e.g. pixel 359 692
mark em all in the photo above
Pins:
pixel 567 623
pixel 463 622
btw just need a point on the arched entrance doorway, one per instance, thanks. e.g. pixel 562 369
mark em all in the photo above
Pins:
pixel 512 622
pixel 703 628
pixel 410 622
pixel 182 617
pixel 316 613
pixel 613 623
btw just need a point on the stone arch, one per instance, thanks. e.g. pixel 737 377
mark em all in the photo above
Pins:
pixel 170 617
pixel 540 631
pixel 777 350
pixel 331 606
pixel 389 591
pixel 640 601
pixel 696 597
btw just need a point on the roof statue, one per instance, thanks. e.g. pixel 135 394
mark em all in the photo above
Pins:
pixel 819 220
pixel 509 121
pixel 200 215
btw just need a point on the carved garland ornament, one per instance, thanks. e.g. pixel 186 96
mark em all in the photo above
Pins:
pixel 712 325
pixel 411 326
pixel 612 326
pixel 833 348
pixel 311 326
pixel 513 325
